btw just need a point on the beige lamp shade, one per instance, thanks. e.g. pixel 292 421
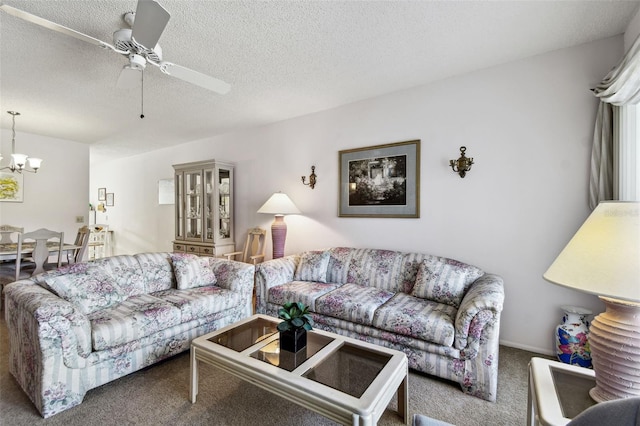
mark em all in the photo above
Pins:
pixel 279 203
pixel 603 257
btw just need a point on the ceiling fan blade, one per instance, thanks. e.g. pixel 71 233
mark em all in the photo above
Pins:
pixel 149 23
pixel 53 26
pixel 195 77
pixel 129 78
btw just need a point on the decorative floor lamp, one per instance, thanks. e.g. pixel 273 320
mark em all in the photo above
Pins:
pixel 279 204
pixel 603 258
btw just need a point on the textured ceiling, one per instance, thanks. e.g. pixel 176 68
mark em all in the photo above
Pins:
pixel 282 59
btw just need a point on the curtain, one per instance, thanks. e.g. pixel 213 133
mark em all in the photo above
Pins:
pixel 601 182
pixel 620 87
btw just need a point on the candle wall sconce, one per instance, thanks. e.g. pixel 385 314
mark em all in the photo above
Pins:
pixel 463 164
pixel 312 178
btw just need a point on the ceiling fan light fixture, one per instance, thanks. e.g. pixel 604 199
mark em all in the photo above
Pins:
pixel 137 62
pixel 139 43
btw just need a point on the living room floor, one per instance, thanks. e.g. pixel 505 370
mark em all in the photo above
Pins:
pixel 159 395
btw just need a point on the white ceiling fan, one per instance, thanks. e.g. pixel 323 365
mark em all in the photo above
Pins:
pixel 147 24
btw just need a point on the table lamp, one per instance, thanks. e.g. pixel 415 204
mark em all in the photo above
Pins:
pixel 603 258
pixel 279 204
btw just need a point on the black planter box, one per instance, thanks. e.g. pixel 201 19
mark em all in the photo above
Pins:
pixel 293 340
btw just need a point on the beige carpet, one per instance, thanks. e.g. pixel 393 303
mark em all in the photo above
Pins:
pixel 159 395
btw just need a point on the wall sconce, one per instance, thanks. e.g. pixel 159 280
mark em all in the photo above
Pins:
pixel 312 178
pixel 463 164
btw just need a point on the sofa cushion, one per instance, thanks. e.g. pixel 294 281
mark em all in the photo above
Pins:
pixel 352 302
pixel 299 291
pixel 200 302
pixel 192 271
pixel 312 266
pixel 157 270
pixel 444 281
pixel 126 271
pixel 136 317
pixel 367 267
pixel 419 318
pixel 91 289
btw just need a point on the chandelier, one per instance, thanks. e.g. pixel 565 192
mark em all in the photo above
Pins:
pixel 19 161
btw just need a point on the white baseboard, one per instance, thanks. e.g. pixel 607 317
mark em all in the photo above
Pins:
pixel 527 348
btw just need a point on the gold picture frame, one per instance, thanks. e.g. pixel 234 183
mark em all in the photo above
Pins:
pixel 380 181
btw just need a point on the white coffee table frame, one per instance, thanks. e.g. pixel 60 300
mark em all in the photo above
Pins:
pixel 292 386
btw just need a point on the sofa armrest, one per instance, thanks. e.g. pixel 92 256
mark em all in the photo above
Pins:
pixel 272 273
pixel 38 318
pixel 234 276
pixel 480 310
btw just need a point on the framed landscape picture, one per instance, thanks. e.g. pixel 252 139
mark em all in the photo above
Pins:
pixel 380 181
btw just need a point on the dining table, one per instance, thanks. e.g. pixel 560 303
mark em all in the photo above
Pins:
pixel 9 251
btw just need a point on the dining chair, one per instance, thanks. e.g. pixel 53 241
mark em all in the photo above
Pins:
pixel 45 241
pixel 82 240
pixel 8 241
pixel 8 237
pixel 98 241
pixel 254 247
pixel 10 271
pixel 6 233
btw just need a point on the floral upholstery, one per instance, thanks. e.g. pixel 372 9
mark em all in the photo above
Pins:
pixel 157 270
pixel 191 271
pixel 90 290
pixel 313 266
pixel 302 291
pixel 57 353
pixel 127 273
pixel 353 302
pixel 423 319
pixel 444 282
pixel 454 336
pixel 200 302
pixel 136 317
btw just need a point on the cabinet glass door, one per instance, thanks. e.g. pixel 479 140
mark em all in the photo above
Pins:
pixel 193 205
pixel 179 207
pixel 209 205
pixel 225 225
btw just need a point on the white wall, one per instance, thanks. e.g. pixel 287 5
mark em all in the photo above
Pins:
pixel 632 32
pixel 528 124
pixel 55 195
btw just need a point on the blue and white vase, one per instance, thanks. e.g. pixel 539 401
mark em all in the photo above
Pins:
pixel 572 337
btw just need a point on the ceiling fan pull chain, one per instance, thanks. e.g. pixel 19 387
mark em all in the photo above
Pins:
pixel 142 95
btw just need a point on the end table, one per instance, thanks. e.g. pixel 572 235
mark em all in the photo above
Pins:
pixel 557 392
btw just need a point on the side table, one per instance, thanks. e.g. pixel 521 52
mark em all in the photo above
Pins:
pixel 557 392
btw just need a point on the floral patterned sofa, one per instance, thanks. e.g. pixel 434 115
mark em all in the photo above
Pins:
pixel 443 314
pixel 84 325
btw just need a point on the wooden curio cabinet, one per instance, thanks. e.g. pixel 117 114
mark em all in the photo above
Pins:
pixel 204 208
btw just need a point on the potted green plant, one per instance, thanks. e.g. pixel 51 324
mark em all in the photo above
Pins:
pixel 293 329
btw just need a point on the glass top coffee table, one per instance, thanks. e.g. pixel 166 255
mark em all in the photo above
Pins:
pixel 346 380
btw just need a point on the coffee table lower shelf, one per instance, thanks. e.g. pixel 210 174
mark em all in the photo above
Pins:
pixel 302 385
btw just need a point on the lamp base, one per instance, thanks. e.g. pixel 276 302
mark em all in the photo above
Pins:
pixel 278 236
pixel 614 337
